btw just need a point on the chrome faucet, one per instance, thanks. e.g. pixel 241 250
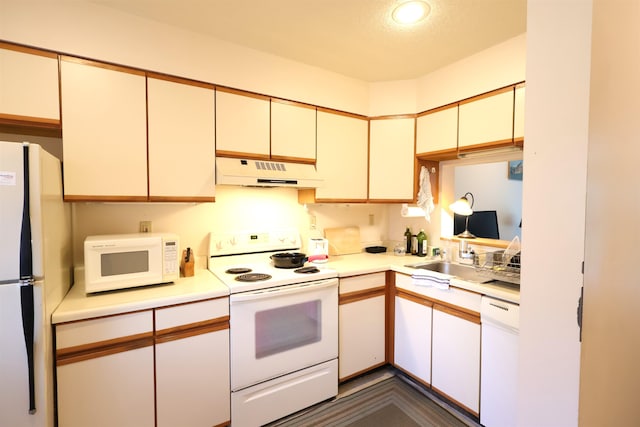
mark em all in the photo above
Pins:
pixel 465 251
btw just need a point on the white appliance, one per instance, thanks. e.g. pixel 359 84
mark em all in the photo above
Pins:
pixel 263 173
pixel 35 274
pixel 319 249
pixel 121 261
pixel 499 366
pixel 283 326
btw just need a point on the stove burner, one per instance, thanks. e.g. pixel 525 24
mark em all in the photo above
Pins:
pixel 307 270
pixel 238 270
pixel 253 277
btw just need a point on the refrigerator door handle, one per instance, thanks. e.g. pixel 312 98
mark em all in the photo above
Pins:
pixel 26 276
pixel 27 306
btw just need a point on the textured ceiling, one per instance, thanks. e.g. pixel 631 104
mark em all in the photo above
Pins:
pixel 356 38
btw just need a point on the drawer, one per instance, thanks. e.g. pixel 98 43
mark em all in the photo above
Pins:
pixel 452 296
pixel 196 312
pixel 359 283
pixel 84 332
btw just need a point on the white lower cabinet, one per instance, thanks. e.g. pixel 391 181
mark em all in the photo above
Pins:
pixel 361 324
pixel 121 371
pixel 456 357
pixel 412 337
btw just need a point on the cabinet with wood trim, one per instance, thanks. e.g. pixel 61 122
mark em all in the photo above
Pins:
pixel 437 133
pixel 293 132
pixel 105 367
pixel 104 129
pixel 105 374
pixel 192 364
pixel 29 91
pixel 181 140
pixel 391 159
pixel 342 159
pixel 362 321
pixel 446 340
pixel 242 124
pixel 486 120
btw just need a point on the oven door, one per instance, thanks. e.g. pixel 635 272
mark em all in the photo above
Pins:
pixel 283 329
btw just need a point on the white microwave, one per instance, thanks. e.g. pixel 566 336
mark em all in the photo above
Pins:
pixel 128 260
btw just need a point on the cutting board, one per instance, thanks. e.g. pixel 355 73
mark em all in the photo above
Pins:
pixel 343 240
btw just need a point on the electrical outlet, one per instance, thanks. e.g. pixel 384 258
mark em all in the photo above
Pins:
pixel 312 222
pixel 145 226
pixel 372 219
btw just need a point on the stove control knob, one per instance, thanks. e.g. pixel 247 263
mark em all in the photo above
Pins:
pixel 219 245
pixel 232 241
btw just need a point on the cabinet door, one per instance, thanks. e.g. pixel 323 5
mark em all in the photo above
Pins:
pixel 437 130
pixel 342 157
pixel 105 374
pixel 412 338
pixel 29 85
pixel 362 336
pixel 391 159
pixel 192 364
pixel 293 132
pixel 456 357
pixel 518 115
pixel 487 120
pixel 242 124
pixel 181 141
pixel 104 131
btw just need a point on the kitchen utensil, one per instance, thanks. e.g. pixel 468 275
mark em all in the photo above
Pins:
pixel 343 240
pixel 289 259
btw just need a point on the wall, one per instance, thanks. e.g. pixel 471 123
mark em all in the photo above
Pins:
pixel 555 157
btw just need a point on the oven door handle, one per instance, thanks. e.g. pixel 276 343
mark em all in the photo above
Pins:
pixel 283 290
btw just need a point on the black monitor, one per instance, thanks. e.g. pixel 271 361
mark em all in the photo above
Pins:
pixel 481 224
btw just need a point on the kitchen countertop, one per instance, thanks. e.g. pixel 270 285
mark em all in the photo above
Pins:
pixel 76 305
pixel 204 285
pixel 364 263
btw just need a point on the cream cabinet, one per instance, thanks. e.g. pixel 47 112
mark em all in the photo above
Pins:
pixel 391 159
pixel 192 364
pixel 342 157
pixel 361 324
pixel 293 132
pixel 104 131
pixel 29 91
pixel 518 114
pixel 181 140
pixel 242 124
pixel 105 374
pixel 456 356
pixel 412 335
pixel 487 119
pixel 437 131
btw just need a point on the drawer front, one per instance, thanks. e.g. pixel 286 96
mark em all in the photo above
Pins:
pixel 184 314
pixel 359 283
pixel 103 329
pixel 453 296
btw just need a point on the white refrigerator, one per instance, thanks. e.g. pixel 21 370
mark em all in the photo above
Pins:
pixel 35 274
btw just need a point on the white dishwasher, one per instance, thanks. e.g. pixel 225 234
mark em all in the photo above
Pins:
pixel 499 362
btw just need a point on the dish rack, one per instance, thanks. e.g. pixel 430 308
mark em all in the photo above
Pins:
pixel 498 266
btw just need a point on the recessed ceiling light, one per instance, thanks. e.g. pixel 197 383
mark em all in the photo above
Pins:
pixel 411 12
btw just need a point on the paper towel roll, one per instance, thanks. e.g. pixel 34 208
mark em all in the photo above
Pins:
pixel 411 211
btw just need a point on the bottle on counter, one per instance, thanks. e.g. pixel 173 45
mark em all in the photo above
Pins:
pixel 407 240
pixel 422 243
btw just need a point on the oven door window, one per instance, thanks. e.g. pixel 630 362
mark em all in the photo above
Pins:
pixel 284 328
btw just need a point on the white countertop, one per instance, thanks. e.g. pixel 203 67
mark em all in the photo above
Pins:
pixel 204 285
pixel 76 305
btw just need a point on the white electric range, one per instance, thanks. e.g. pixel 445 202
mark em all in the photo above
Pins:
pixel 283 325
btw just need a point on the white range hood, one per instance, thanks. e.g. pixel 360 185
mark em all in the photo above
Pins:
pixel 264 173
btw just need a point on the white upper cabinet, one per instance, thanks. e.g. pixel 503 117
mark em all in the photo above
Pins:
pixel 518 114
pixel 242 124
pixel 342 157
pixel 487 119
pixel 104 130
pixel 181 140
pixel 437 130
pixel 391 159
pixel 29 85
pixel 293 132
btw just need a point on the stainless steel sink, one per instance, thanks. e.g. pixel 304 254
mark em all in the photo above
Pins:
pixel 462 272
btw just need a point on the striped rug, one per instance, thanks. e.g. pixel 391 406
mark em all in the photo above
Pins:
pixel 389 403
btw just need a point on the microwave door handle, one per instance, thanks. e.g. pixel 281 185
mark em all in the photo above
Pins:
pixel 284 290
